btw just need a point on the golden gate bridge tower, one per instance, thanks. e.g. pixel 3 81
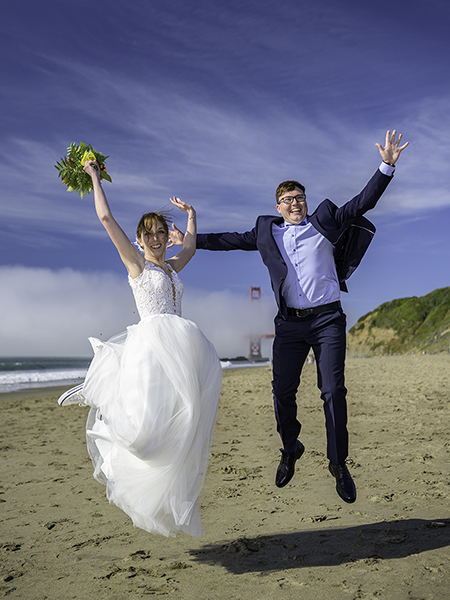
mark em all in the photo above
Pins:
pixel 255 339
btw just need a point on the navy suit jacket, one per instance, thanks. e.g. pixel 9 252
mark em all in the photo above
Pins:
pixel 345 227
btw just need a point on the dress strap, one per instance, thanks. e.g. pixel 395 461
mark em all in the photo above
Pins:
pixel 174 294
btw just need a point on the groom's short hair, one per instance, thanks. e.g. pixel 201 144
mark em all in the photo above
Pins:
pixel 288 186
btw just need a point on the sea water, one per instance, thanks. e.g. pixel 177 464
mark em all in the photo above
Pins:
pixel 37 372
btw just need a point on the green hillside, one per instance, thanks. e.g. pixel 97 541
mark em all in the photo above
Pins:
pixel 404 325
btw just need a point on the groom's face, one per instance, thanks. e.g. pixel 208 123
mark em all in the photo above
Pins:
pixel 295 212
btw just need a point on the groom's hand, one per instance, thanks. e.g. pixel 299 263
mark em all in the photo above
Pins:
pixel 392 148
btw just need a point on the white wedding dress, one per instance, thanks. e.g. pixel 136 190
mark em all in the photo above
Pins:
pixel 154 392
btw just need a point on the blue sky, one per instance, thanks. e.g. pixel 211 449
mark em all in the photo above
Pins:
pixel 216 102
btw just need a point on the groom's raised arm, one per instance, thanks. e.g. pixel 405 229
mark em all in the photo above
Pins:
pixel 368 198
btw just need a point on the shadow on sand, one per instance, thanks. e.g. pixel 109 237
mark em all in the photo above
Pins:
pixel 327 547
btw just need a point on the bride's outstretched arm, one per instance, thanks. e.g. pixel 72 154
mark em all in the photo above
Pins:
pixel 130 256
pixel 181 259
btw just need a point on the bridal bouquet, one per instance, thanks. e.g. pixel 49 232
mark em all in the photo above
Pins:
pixel 71 171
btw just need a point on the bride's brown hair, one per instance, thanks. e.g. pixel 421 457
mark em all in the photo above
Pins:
pixel 148 219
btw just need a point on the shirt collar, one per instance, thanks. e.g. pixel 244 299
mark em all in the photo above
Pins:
pixel 286 224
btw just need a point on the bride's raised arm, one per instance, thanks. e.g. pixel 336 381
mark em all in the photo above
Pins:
pixel 131 257
pixel 181 259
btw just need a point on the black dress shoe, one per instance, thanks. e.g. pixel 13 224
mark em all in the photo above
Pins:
pixel 286 468
pixel 345 486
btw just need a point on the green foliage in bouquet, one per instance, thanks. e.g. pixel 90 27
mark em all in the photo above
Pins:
pixel 70 168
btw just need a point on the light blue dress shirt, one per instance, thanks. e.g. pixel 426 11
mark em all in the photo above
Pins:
pixel 311 279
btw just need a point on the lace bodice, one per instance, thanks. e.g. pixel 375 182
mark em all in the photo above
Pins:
pixel 155 292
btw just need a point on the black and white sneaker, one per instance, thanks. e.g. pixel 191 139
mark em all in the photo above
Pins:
pixel 73 396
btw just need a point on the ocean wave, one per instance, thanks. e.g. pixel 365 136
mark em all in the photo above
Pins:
pixel 40 376
pixel 11 381
pixel 18 380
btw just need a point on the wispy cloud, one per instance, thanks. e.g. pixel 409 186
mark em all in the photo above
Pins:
pixel 226 161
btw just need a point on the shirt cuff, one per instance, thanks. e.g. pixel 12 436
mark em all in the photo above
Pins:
pixel 387 169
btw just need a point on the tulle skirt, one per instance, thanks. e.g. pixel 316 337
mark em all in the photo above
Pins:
pixel 154 392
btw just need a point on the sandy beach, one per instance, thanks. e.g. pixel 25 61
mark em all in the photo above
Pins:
pixel 61 539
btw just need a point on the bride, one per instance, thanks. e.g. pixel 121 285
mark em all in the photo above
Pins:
pixel 154 389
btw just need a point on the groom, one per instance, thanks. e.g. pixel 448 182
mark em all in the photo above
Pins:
pixel 309 258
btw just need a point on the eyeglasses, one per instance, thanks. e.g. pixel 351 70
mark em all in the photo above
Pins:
pixel 290 199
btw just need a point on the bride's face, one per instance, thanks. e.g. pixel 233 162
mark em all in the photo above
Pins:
pixel 155 241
